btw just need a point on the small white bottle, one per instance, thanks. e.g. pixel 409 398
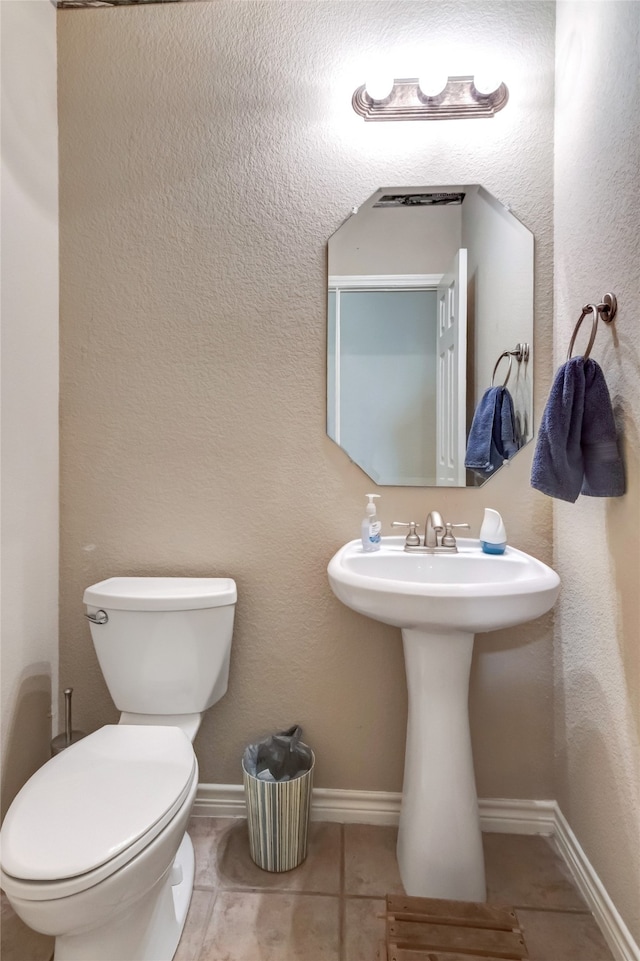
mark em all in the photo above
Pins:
pixel 493 536
pixel 371 527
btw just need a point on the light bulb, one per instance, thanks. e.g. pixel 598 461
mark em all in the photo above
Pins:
pixel 432 84
pixel 486 83
pixel 379 87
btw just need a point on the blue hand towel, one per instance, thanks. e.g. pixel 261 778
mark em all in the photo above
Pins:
pixel 603 468
pixel 577 447
pixel 493 435
pixel 508 443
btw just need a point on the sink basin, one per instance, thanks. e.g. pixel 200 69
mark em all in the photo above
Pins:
pixel 440 601
pixel 468 591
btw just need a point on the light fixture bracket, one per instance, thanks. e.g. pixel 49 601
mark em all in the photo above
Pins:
pixel 458 101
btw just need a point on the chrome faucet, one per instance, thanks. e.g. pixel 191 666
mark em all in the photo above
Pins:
pixel 433 530
pixel 438 537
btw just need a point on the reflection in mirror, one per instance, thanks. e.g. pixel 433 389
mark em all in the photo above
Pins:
pixel 430 297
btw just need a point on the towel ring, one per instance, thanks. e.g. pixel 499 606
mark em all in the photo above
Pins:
pixel 607 310
pixel 506 353
pixel 521 353
pixel 587 309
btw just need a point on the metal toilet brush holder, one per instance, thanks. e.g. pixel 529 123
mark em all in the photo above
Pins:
pixel 68 736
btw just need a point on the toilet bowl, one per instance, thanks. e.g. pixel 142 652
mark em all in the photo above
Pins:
pixel 82 864
pixel 93 848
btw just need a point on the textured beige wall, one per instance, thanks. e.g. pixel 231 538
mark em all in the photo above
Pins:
pixel 29 185
pixel 598 541
pixel 208 151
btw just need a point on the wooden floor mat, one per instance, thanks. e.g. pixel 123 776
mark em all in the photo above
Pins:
pixel 429 929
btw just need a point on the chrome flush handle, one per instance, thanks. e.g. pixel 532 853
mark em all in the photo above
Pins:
pixel 100 617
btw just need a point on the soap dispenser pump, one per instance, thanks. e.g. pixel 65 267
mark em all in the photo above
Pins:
pixel 371 527
pixel 493 536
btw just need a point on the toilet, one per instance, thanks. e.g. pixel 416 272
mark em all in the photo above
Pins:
pixel 94 849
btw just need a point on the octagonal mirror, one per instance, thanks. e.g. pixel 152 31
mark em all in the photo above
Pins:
pixel 430 307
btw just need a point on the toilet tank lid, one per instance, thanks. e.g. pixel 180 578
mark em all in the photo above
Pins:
pixel 161 593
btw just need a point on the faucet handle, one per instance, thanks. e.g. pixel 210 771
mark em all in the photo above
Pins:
pixel 448 539
pixel 412 537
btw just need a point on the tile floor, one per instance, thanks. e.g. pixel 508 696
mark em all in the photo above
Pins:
pixel 329 908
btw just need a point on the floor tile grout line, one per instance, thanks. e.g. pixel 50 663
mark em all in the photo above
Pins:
pixel 241 889
pixel 366 897
pixel 528 907
pixel 205 925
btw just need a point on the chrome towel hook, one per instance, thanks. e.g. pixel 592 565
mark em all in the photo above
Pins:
pixel 607 310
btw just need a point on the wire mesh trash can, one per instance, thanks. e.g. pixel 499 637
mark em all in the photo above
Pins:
pixel 278 819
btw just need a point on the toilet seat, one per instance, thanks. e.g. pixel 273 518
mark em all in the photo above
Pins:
pixel 91 809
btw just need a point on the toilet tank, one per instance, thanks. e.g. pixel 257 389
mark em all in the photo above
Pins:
pixel 165 642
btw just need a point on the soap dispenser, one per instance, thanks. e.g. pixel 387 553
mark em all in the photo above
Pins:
pixel 493 537
pixel 371 527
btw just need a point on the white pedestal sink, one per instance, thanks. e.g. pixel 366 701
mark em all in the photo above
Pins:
pixel 440 601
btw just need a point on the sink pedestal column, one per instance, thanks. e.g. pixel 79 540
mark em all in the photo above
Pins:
pixel 439 841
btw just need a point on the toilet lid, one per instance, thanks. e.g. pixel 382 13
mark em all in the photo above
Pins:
pixel 94 800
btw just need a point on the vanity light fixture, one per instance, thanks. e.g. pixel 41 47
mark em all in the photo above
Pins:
pixel 430 98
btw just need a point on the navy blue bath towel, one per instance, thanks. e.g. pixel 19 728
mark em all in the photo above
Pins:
pixel 493 435
pixel 577 447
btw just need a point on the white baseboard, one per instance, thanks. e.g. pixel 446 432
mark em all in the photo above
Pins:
pixel 614 930
pixel 347 807
pixel 220 801
pixel 505 816
pixel 382 807
pixel 497 815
